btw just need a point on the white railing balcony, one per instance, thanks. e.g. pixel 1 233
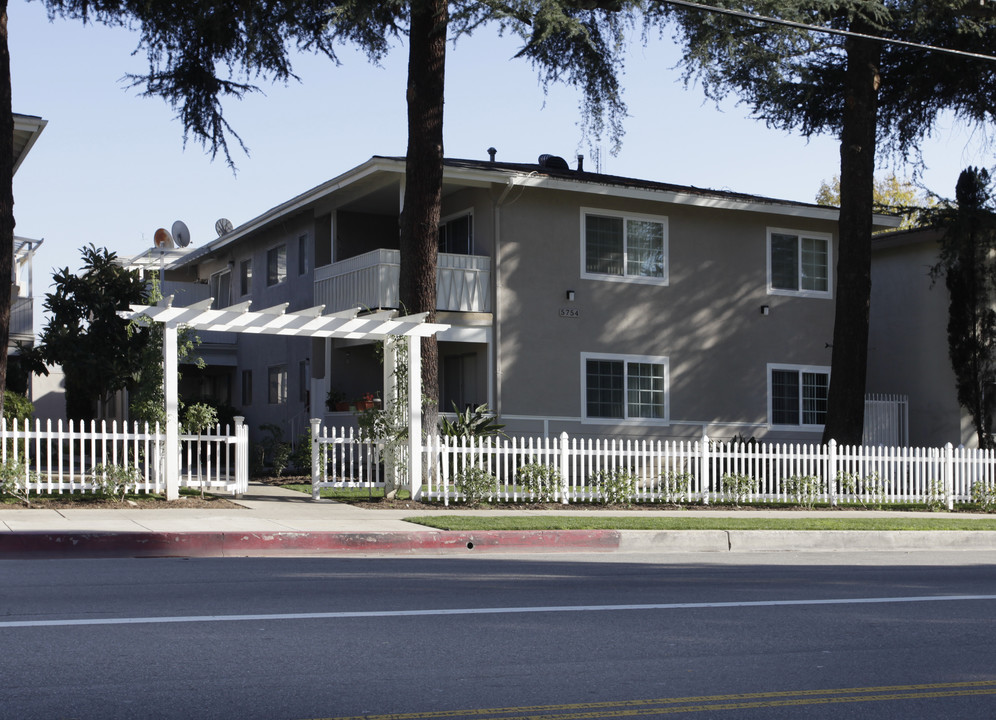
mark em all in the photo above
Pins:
pixel 22 319
pixel 463 282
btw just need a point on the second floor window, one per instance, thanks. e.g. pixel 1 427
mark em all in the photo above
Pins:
pixel 456 235
pixel 798 264
pixel 245 277
pixel 624 247
pixel 220 288
pixel 302 254
pixel 276 265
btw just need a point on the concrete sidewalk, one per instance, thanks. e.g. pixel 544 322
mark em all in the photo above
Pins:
pixel 273 521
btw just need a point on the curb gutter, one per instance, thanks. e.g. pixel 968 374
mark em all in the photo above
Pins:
pixel 439 542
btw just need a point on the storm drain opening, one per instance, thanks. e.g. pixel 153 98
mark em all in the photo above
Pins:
pixel 470 544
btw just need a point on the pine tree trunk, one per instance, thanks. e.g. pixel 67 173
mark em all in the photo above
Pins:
pixel 424 182
pixel 6 197
pixel 846 399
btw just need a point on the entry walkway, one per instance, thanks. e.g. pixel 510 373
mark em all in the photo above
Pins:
pixel 275 521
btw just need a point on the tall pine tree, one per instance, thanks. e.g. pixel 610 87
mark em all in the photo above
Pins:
pixel 968 264
pixel 868 80
pixel 201 53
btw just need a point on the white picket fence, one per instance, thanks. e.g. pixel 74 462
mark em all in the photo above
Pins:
pixel 70 457
pixel 567 470
pixel 340 458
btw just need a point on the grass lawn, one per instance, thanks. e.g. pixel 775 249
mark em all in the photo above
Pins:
pixel 586 522
pixel 346 494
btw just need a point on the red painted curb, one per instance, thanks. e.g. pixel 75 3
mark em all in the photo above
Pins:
pixel 235 544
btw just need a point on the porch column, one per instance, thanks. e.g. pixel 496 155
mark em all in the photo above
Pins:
pixel 390 397
pixel 171 466
pixel 415 415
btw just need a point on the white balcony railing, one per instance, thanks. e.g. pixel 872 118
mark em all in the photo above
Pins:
pixel 22 319
pixel 463 282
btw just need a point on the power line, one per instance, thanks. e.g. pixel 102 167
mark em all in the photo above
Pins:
pixel 829 31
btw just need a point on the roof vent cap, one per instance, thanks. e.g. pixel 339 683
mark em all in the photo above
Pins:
pixel 553 162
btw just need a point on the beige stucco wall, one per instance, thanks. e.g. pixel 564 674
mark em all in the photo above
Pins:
pixel 908 346
pixel 707 321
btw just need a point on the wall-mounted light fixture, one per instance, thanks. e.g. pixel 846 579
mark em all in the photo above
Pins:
pixel 765 309
pixel 570 295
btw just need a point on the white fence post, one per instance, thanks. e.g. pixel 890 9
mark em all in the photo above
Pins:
pixel 316 424
pixel 949 475
pixel 565 467
pixel 831 471
pixel 704 472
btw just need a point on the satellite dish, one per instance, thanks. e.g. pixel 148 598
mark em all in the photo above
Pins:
pixel 223 226
pixel 162 238
pixel 181 233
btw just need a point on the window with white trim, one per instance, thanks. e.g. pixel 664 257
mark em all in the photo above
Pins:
pixel 799 263
pixel 625 387
pixel 797 396
pixel 616 246
pixel 276 265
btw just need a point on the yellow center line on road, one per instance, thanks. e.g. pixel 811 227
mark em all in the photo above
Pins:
pixel 673 706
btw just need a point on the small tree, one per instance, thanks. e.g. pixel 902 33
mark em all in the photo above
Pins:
pixel 968 264
pixel 891 195
pixel 99 352
pixel 199 417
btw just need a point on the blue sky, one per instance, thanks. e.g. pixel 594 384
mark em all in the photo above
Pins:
pixel 111 167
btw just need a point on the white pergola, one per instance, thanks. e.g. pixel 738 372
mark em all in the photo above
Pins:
pixel 312 323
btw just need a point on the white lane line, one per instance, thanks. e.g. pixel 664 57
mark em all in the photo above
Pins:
pixel 484 611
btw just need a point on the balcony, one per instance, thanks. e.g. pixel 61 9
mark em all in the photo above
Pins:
pixel 22 320
pixel 463 282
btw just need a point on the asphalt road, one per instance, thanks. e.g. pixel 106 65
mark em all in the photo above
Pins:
pixel 498 638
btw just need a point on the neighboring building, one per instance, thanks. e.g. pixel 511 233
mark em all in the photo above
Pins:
pixel 27 128
pixel 579 302
pixel 908 340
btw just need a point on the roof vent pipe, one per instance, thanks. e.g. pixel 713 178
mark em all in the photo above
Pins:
pixel 492 152
pixel 580 163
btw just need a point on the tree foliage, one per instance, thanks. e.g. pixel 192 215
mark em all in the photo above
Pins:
pixel 99 352
pixel 877 96
pixel 202 54
pixel 968 264
pixel 890 195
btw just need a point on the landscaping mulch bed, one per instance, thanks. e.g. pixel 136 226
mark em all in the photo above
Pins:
pixel 135 502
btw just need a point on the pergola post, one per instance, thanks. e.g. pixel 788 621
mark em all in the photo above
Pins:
pixel 415 415
pixel 171 465
pixel 390 398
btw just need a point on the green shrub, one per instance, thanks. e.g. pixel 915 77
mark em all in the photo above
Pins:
pixel 936 497
pixel 613 487
pixel 984 495
pixel 475 484
pixel 804 488
pixel 541 482
pixel 16 406
pixel 869 490
pixel 674 485
pixel 477 423
pixel 279 452
pixel 14 481
pixel 301 457
pixel 113 481
pixel 738 488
